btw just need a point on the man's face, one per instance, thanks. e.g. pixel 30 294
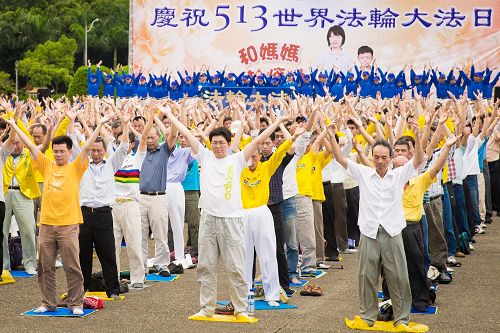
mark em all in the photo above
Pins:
pixel 116 131
pixel 152 140
pixel 138 125
pixel 382 159
pixel 266 147
pixel 227 124
pixel 323 79
pixel 78 127
pixel 353 128
pixel 365 59
pixel 108 81
pixel 158 82
pixel 399 83
pixel 417 81
pixel 142 82
pixel 477 78
pixel 364 77
pixel 402 150
pixel 93 79
pixel 128 80
pixel 203 78
pixel 219 146
pixel 38 135
pixel 182 141
pixel 441 79
pixel 97 152
pixel 453 81
pixel 279 137
pixel 166 122
pixel 18 146
pixel 61 154
pixel 188 82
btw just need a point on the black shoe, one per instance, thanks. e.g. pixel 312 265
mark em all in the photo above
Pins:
pixel 164 272
pixel 387 315
pixel 175 268
pixel 444 278
pixel 432 296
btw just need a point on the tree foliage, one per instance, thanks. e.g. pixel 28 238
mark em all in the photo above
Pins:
pixel 50 64
pixel 6 84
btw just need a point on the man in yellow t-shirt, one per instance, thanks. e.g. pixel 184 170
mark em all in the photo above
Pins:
pixel 60 217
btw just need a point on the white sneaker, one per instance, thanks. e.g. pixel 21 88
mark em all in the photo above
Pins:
pixel 323 266
pixel 77 311
pixel 273 303
pixel 41 309
pixel 483 225
pixel 449 269
pixel 479 230
pixel 451 260
pixel 348 251
pixel 471 247
pixel 31 271
pixel 203 313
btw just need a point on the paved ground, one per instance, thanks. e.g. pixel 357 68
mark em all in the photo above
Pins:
pixel 470 304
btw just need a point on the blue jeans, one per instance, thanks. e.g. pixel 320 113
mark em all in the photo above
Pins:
pixel 289 211
pixel 449 235
pixel 473 197
pixel 460 210
pixel 425 234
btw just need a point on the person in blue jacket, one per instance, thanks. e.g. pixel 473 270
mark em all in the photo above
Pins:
pixel 231 81
pixel 290 82
pixel 94 80
pixel 142 88
pixel 108 85
pixel 351 85
pixel 474 83
pixel 489 85
pixel 175 93
pixel 455 86
pixel 261 81
pixel 246 81
pixel 401 84
pixel 337 85
pixel 389 90
pixel 158 86
pixel 188 85
pixel 320 84
pixel 365 81
pixel 441 84
pixel 305 84
pixel 377 86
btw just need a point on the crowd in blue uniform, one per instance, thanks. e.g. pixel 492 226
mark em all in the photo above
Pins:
pixel 316 83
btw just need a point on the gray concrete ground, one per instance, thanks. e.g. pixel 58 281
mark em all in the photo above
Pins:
pixel 470 304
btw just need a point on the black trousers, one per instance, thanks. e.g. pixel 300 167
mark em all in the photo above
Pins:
pixel 494 168
pixel 352 196
pixel 2 216
pixel 97 230
pixel 414 249
pixel 328 222
pixel 451 193
pixel 280 245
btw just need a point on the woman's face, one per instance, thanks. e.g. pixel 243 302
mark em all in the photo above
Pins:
pixel 335 41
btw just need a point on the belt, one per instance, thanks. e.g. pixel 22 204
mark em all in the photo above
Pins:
pixel 97 209
pixel 436 197
pixel 153 193
pixel 14 188
pixel 123 200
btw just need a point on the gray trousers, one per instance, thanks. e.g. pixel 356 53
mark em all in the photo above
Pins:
pixel 305 232
pixel 437 243
pixel 22 208
pixel 221 237
pixel 388 252
pixel 318 231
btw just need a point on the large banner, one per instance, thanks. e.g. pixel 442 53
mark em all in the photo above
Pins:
pixel 254 35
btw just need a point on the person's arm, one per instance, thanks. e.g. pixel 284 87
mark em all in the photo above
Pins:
pixel 337 153
pixel 190 138
pixel 419 151
pixel 24 138
pixel 319 140
pixel 143 142
pixel 443 156
pixel 361 154
pixel 254 144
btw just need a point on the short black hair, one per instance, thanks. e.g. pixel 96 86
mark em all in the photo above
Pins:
pixel 42 126
pixel 61 140
pixel 365 49
pixel 402 142
pixel 385 144
pixel 100 139
pixel 337 31
pixel 116 124
pixel 272 136
pixel 138 118
pixel 220 131
pixel 227 118
pixel 300 119
pixel 351 122
pixel 408 139
pixel 264 120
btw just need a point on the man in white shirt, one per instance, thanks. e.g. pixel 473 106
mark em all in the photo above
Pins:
pixel 126 211
pixel 381 221
pixel 221 228
pixel 97 197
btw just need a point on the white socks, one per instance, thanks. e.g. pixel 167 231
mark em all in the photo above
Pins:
pixel 77 311
pixel 41 309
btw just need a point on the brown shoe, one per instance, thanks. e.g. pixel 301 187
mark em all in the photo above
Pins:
pixel 316 291
pixel 306 292
pixel 459 254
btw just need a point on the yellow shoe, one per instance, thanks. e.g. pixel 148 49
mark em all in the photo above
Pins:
pixel 358 323
pixel 283 296
pixel 243 317
pixel 403 328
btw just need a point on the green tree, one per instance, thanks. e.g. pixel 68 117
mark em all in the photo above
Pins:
pixel 50 64
pixel 6 84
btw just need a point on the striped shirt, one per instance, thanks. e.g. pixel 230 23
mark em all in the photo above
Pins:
pixel 128 176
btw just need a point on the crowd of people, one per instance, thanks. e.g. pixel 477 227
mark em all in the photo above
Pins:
pixel 405 179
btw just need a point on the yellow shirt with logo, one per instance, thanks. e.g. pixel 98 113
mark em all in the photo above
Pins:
pixel 304 173
pixel 413 196
pixel 322 160
pixel 255 184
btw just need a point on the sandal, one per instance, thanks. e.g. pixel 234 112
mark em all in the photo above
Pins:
pixel 455 264
pixel 316 291
pixel 227 309
pixel 306 292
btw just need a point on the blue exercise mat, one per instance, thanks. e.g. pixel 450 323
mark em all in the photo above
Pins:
pixel 431 310
pixel 159 278
pixel 314 274
pixel 380 295
pixel 302 283
pixel 263 306
pixel 60 312
pixel 21 274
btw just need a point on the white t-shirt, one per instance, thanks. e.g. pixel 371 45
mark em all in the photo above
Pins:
pixel 471 156
pixel 290 187
pixel 127 177
pixel 220 183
